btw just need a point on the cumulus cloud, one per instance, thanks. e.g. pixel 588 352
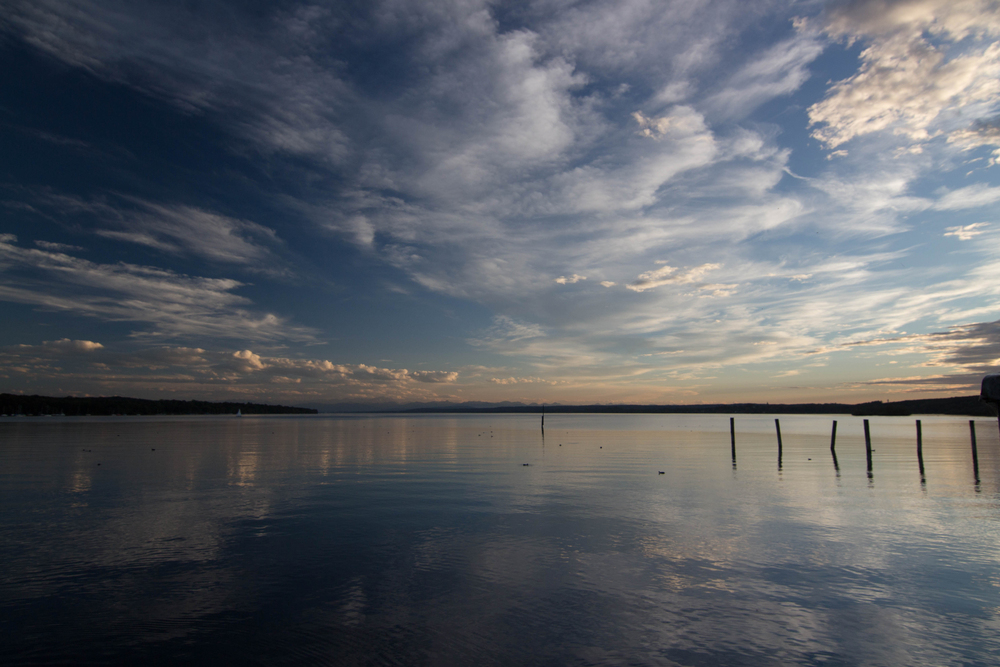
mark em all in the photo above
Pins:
pixel 927 63
pixel 575 278
pixel 217 372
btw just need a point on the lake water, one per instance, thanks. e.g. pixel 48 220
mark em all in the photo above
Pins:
pixel 426 540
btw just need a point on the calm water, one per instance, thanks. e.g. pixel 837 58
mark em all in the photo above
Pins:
pixel 426 540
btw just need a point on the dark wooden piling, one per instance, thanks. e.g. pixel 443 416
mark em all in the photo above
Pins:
pixel 732 436
pixel 777 428
pixel 975 452
pixel 833 447
pixel 543 418
pixel 868 446
pixel 920 450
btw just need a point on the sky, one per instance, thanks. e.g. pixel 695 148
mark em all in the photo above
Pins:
pixel 691 201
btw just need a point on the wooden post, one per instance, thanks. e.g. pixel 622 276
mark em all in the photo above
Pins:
pixel 732 436
pixel 868 446
pixel 920 450
pixel 975 453
pixel 833 447
pixel 777 428
pixel 543 418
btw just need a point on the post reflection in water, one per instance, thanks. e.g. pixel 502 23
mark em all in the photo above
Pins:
pixel 425 539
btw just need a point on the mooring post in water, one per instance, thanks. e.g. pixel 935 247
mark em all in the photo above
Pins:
pixel 975 454
pixel 833 447
pixel 868 446
pixel 732 436
pixel 777 428
pixel 920 450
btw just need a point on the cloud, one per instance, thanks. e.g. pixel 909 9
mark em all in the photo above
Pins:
pixel 169 303
pixel 667 275
pixel 927 63
pixel 972 196
pixel 518 380
pixel 62 346
pixel 966 232
pixel 265 75
pixel 434 377
pixel 478 157
pixel 175 229
pixel 58 247
pixel 189 230
pixel 969 350
pixel 983 132
pixel 217 373
pixel 778 71
pixel 508 329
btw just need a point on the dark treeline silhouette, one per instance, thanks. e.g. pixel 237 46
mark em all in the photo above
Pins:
pixel 956 405
pixel 14 404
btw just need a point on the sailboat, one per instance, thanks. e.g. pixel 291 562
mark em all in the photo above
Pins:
pixel 239 413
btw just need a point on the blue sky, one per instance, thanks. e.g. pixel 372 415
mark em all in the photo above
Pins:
pixel 577 202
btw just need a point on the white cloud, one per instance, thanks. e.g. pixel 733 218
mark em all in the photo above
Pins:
pixel 667 275
pixel 778 71
pixel 575 278
pixel 973 196
pixel 967 232
pixel 918 77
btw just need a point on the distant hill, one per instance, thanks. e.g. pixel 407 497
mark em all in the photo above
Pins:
pixel 956 405
pixel 13 404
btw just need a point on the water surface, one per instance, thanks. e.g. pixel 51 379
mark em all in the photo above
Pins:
pixel 427 540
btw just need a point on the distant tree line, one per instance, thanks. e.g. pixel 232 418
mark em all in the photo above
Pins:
pixel 14 404
pixel 956 405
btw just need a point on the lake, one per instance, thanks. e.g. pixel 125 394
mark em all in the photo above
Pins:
pixel 473 539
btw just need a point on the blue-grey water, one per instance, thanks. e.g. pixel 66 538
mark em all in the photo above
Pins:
pixel 426 540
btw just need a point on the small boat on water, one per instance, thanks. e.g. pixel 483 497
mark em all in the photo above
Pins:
pixel 239 413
